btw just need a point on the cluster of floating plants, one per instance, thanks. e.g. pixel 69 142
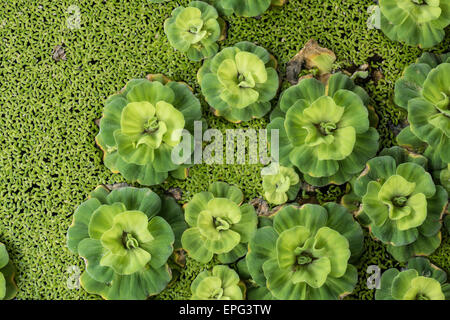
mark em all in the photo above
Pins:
pixel 420 281
pixel 424 91
pixel 128 236
pixel 415 22
pixel 327 135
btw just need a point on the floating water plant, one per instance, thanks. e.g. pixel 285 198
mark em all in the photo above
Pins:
pixel 281 185
pixel 325 130
pixel 424 91
pixel 195 30
pixel 401 204
pixel 415 22
pixel 307 253
pixel 239 82
pixel 126 237
pixel 420 281
pixel 220 283
pixel 219 224
pixel 142 124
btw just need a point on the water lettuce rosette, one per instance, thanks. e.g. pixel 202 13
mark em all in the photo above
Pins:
pixel 424 91
pixel 420 281
pixel 324 130
pixel 219 224
pixel 401 205
pixel 307 253
pixel 195 29
pixel 416 22
pixel 281 185
pixel 239 82
pixel 142 124
pixel 126 237
pixel 220 283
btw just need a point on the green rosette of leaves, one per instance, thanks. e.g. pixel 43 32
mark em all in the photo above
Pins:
pixel 142 124
pixel 8 288
pixel 324 130
pixel 424 91
pixel 247 8
pixel 307 253
pixel 239 82
pixel 126 237
pixel 420 281
pixel 281 185
pixel 415 22
pixel 194 29
pixel 221 283
pixel 219 224
pixel 400 203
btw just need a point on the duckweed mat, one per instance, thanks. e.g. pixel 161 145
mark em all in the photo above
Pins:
pixel 48 158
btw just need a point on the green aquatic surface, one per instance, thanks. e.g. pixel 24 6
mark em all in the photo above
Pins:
pixel 49 161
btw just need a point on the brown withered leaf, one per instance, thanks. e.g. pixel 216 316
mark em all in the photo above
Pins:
pixel 176 193
pixel 275 210
pixel 180 257
pixel 311 56
pixel 59 53
pixel 377 75
pixel 261 206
